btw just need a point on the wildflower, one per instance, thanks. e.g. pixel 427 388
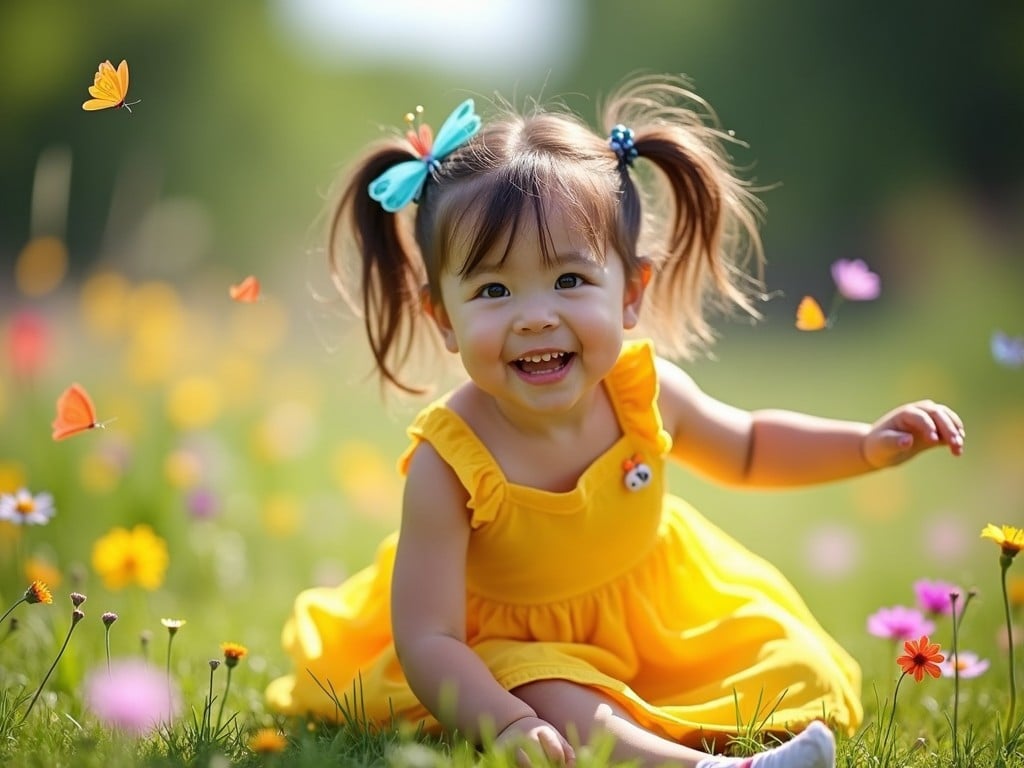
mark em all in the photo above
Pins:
pixel 899 623
pixel 133 696
pixel 173 625
pixel 1009 539
pixel 267 741
pixel 76 616
pixel 24 508
pixel 233 653
pixel 108 619
pixel 77 598
pixel 854 281
pixel 933 597
pixel 921 656
pixel 124 557
pixel 37 592
pixel 966 664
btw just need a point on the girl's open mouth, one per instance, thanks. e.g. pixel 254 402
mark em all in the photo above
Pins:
pixel 548 362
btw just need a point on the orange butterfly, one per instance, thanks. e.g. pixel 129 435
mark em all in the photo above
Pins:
pixel 809 315
pixel 109 88
pixel 75 413
pixel 246 291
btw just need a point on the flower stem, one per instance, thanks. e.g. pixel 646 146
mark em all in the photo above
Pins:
pixel 220 712
pixel 208 709
pixel 1005 561
pixel 956 673
pixel 76 616
pixel 17 602
pixel 892 717
pixel 170 697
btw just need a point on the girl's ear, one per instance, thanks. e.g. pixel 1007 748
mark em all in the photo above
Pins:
pixel 440 318
pixel 633 297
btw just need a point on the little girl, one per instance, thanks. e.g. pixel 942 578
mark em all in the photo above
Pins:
pixel 543 588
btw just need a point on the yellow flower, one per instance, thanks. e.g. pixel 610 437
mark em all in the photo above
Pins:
pixel 233 653
pixel 124 557
pixel 38 569
pixel 38 592
pixel 267 740
pixel 1015 592
pixel 1010 539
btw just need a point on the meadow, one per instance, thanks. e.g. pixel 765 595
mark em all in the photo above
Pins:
pixel 245 455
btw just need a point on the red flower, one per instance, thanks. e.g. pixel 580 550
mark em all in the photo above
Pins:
pixel 921 656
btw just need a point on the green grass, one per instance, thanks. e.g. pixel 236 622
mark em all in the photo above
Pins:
pixel 298 453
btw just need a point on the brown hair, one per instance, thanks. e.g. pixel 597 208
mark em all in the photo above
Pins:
pixel 692 219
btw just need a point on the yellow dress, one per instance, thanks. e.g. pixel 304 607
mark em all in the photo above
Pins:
pixel 627 590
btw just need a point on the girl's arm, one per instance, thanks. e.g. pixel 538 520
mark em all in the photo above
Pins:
pixel 775 448
pixel 428 607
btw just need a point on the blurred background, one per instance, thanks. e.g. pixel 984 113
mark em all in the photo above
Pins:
pixel 249 436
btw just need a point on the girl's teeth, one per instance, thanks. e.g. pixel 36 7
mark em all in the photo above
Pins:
pixel 545 358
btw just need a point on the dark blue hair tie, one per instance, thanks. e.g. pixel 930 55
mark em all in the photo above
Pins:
pixel 621 140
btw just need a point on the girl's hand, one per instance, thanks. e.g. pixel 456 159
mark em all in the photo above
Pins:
pixel 528 734
pixel 906 431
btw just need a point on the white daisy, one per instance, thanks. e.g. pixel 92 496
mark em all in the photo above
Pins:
pixel 24 508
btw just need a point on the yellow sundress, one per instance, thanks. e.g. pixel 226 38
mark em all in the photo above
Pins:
pixel 614 584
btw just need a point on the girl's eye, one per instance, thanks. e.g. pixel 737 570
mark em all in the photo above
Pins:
pixel 568 281
pixel 493 291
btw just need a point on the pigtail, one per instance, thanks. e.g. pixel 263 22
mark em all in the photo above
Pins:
pixel 389 269
pixel 702 237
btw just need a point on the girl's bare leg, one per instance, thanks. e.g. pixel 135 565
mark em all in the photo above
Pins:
pixel 585 713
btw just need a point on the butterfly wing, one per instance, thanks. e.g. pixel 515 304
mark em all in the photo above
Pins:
pixel 109 88
pixel 246 291
pixel 122 79
pixel 809 315
pixel 461 125
pixel 75 413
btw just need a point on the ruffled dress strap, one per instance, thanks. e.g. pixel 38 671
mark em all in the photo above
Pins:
pixel 633 388
pixel 463 451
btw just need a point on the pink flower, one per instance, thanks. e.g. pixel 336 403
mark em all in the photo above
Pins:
pixel 899 623
pixel 933 596
pixel 28 343
pixel 133 696
pixel 968 663
pixel 855 281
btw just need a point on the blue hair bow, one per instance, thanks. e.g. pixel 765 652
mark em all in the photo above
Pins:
pixel 403 183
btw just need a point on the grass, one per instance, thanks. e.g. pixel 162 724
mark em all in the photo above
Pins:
pixel 266 465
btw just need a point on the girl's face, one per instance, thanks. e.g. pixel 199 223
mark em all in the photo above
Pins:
pixel 539 337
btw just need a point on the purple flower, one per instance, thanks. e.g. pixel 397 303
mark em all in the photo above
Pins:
pixel 855 281
pixel 899 623
pixel 132 697
pixel 933 596
pixel 968 664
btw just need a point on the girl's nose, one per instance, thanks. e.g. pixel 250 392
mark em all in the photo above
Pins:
pixel 535 316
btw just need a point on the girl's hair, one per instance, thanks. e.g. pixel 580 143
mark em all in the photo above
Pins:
pixel 683 211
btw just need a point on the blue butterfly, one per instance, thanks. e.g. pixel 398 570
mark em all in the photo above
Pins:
pixel 403 183
pixel 1007 350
